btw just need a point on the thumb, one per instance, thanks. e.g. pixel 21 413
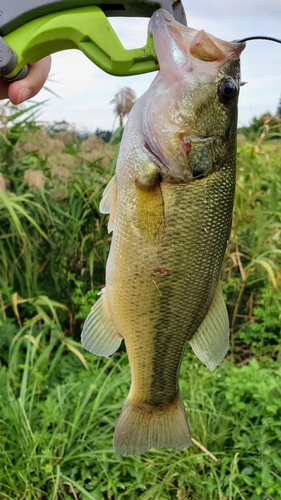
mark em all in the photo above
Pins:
pixel 22 90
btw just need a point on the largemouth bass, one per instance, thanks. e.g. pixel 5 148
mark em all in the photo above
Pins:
pixel 170 205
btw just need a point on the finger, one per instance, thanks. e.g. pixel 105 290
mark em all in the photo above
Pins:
pixel 22 90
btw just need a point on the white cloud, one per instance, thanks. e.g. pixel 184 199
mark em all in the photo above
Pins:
pixel 233 10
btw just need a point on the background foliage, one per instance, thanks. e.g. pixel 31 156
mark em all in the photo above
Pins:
pixel 58 404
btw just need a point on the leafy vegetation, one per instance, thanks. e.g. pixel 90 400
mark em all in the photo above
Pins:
pixel 59 404
pixel 252 272
pixel 50 226
pixel 58 417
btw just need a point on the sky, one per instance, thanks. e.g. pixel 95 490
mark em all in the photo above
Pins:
pixel 85 91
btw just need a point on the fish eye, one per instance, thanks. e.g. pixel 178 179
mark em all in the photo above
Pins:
pixel 227 91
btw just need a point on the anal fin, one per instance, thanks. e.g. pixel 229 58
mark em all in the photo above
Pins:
pixel 211 341
pixel 99 335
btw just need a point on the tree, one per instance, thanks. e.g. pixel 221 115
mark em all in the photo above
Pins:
pixel 123 102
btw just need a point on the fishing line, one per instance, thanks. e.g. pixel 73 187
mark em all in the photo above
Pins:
pixel 270 38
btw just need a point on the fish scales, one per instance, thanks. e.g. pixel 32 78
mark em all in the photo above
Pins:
pixel 188 300
pixel 170 206
pixel 170 309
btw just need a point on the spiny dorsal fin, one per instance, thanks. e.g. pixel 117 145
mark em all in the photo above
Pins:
pixel 211 341
pixel 108 203
pixel 99 335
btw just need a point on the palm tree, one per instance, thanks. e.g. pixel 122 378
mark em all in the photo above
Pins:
pixel 123 102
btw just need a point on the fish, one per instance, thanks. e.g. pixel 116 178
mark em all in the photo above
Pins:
pixel 170 204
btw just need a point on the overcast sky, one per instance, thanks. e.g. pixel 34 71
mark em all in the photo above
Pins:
pixel 85 91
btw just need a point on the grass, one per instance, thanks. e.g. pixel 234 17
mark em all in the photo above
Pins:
pixel 252 268
pixel 58 417
pixel 49 217
pixel 50 221
pixel 59 405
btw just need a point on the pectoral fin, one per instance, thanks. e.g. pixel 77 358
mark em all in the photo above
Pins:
pixel 99 335
pixel 211 341
pixel 150 207
pixel 109 202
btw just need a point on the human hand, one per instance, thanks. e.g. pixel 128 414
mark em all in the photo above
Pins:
pixel 22 90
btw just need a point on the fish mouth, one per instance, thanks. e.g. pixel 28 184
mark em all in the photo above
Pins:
pixel 209 48
pixel 181 50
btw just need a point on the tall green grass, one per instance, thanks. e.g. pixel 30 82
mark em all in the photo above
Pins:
pixel 59 405
pixel 252 268
pixel 54 241
pixel 51 232
pixel 58 411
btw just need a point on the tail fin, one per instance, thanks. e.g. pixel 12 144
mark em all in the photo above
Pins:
pixel 141 427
